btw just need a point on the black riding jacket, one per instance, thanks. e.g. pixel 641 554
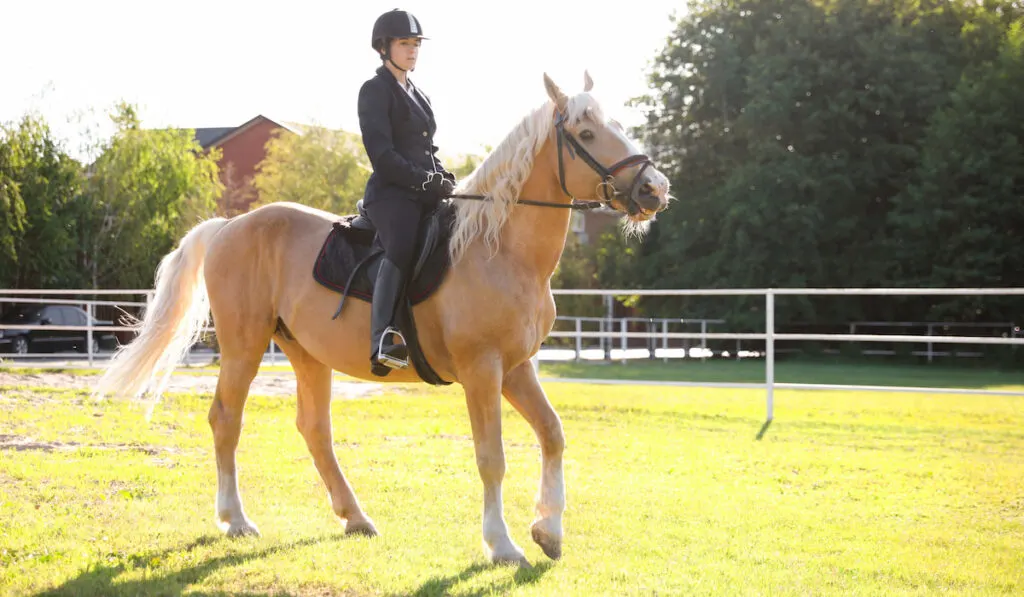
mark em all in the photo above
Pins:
pixel 398 134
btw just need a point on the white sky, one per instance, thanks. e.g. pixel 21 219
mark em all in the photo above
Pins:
pixel 205 63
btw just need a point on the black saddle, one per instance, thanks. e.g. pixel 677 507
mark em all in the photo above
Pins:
pixel 350 257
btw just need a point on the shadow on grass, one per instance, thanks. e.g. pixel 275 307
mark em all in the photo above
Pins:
pixel 442 585
pixel 764 429
pixel 104 579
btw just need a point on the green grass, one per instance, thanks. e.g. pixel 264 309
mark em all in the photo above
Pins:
pixel 847 372
pixel 669 491
pixel 753 371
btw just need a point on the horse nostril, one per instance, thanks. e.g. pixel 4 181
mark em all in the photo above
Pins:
pixel 647 189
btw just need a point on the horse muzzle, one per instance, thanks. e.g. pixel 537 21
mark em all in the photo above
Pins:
pixel 647 194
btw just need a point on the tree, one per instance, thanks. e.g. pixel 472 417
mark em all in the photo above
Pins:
pixel 320 167
pixel 463 165
pixel 787 129
pixel 38 181
pixel 961 221
pixel 12 214
pixel 602 263
pixel 147 188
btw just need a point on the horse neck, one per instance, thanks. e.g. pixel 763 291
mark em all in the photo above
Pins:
pixel 535 236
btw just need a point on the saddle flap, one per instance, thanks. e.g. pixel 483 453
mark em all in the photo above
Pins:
pixel 348 260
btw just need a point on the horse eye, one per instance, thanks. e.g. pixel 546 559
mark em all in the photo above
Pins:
pixel 587 135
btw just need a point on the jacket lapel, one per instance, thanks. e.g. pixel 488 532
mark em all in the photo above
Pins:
pixel 421 105
pixel 425 103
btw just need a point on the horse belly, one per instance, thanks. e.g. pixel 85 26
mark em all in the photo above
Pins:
pixel 343 344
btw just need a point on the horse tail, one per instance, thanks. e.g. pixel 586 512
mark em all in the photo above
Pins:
pixel 173 321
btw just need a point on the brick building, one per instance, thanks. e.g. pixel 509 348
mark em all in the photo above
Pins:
pixel 588 226
pixel 242 148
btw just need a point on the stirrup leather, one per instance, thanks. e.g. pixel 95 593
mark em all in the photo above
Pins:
pixel 386 359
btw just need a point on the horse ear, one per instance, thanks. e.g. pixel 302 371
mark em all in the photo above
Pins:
pixel 588 83
pixel 556 94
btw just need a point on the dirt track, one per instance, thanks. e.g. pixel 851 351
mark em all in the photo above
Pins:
pixel 267 384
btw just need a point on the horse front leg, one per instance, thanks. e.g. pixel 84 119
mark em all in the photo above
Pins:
pixel 483 399
pixel 523 390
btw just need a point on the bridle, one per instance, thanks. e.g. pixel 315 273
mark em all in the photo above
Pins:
pixel 607 174
pixel 566 142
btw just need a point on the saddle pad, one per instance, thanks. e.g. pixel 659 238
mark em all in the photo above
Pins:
pixel 347 248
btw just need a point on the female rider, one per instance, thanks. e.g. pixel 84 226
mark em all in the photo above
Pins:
pixel 408 181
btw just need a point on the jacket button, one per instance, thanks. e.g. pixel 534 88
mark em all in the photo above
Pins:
pixel 424 133
pixel 426 153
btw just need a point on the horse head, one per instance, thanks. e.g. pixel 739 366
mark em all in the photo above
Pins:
pixel 595 158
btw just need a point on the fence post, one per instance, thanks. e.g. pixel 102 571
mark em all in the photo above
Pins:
pixel 769 350
pixel 664 339
pixel 600 337
pixel 929 344
pixel 579 339
pixel 652 339
pixel 90 309
pixel 609 329
pixel 703 339
pixel 622 336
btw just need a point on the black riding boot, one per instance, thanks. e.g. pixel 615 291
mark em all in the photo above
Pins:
pixel 386 292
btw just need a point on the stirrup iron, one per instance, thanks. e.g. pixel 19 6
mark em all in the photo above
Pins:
pixel 386 359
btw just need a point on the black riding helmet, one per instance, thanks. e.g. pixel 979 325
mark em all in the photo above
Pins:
pixel 392 24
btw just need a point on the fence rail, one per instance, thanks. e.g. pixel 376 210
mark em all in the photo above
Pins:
pixel 769 336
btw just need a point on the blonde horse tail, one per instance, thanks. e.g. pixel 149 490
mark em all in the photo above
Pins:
pixel 172 323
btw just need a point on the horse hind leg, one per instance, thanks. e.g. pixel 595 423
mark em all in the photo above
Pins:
pixel 236 374
pixel 314 423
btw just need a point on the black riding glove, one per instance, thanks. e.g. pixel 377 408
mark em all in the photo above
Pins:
pixel 438 187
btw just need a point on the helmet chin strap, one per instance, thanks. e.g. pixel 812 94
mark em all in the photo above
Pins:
pixel 387 56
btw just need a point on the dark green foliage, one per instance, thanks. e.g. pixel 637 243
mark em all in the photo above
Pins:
pixel 836 144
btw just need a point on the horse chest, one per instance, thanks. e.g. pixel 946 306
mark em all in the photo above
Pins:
pixel 526 317
pixel 532 324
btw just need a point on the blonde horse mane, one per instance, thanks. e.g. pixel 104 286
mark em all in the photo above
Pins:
pixel 503 173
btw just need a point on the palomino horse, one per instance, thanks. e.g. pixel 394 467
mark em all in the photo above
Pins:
pixel 480 327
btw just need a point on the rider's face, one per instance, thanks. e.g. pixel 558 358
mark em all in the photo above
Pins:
pixel 404 52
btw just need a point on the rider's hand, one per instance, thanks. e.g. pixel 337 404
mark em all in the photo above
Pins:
pixel 437 186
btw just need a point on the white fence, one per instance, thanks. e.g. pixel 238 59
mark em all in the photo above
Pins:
pixel 769 336
pixel 613 329
pixel 88 347
pixel 608 325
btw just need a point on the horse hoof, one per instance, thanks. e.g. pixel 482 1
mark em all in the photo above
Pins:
pixel 363 528
pixel 552 546
pixel 513 560
pixel 242 529
pixel 507 553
